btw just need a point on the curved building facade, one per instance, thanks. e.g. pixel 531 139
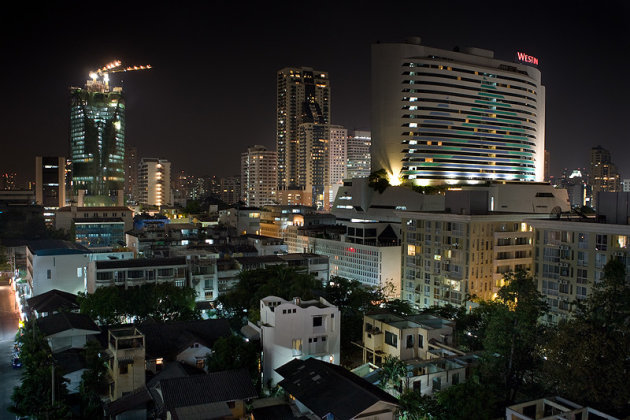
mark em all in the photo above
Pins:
pixel 451 117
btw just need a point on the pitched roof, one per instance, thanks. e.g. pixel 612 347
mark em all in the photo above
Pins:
pixel 326 388
pixel 166 340
pixel 227 385
pixel 53 301
pixel 62 321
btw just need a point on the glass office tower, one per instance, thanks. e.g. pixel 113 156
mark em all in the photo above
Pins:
pixel 97 139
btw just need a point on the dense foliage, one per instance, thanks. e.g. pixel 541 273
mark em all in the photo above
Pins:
pixel 282 281
pixel 34 397
pixel 160 302
pixel 585 359
pixel 235 353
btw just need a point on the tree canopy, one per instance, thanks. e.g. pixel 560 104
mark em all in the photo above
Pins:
pixel 278 280
pixel 161 302
pixel 34 395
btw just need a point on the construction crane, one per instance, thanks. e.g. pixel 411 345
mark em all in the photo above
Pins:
pixel 114 67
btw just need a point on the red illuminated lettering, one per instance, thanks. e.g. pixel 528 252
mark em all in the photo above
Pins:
pixel 526 58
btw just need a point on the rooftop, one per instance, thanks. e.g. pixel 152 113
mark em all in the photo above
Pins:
pixel 330 389
pixel 141 262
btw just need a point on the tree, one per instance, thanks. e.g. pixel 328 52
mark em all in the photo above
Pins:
pixel 279 280
pixel 161 302
pixel 588 357
pixel 93 381
pixel 415 406
pixel 392 371
pixel 34 396
pixel 513 336
pixel 468 400
pixel 234 353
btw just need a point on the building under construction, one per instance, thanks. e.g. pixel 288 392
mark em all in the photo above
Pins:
pixel 97 136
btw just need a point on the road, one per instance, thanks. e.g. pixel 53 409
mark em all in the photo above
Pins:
pixel 8 328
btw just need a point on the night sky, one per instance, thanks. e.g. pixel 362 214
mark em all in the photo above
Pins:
pixel 211 93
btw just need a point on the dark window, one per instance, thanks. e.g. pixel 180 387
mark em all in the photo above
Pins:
pixel 391 339
pixel 318 321
pixel 409 341
pixel 420 341
pixel 123 369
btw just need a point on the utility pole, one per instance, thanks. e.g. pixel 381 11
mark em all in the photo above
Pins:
pixel 53 382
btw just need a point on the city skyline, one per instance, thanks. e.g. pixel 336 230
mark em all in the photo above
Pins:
pixel 194 99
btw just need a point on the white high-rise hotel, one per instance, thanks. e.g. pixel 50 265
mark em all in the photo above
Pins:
pixel 455 117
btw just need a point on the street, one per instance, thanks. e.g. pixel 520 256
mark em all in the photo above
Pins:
pixel 8 328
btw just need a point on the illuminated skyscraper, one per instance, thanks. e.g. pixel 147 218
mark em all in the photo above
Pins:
pixel 303 97
pixel 258 176
pixel 97 139
pixel 604 175
pixel 359 160
pixel 154 182
pixel 456 117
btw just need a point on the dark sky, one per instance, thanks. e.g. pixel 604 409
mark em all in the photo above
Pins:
pixel 211 92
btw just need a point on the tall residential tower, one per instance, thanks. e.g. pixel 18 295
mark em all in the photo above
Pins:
pixel 303 97
pixel 455 117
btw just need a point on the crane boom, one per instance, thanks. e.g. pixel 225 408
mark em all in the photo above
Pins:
pixel 114 67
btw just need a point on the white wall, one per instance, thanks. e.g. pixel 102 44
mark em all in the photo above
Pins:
pixel 62 272
pixel 282 327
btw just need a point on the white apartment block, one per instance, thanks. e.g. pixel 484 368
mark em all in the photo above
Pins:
pixel 154 180
pixel 297 330
pixel 371 265
pixel 259 176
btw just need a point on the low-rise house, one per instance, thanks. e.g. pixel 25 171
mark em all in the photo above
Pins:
pixel 297 329
pixel 556 408
pixel 51 302
pixel 65 330
pixel 405 338
pixel 185 341
pixel 330 391
pixel 67 333
pixel 217 395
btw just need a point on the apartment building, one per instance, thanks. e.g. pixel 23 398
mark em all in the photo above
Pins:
pixel 297 329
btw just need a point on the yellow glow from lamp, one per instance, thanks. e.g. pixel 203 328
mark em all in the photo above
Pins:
pixel 394 178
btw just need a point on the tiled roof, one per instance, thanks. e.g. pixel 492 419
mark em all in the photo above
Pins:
pixel 63 321
pixel 326 388
pixel 167 340
pixel 228 385
pixel 53 301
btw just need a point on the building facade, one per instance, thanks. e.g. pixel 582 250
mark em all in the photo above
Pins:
pixel 313 171
pixel 359 162
pixel 259 176
pixel 297 329
pixel 154 179
pixel 131 172
pixel 604 176
pixel 457 117
pixel 50 184
pixel 303 97
pixel 97 139
pixel 570 256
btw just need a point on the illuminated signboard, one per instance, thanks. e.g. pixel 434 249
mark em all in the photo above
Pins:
pixel 528 59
